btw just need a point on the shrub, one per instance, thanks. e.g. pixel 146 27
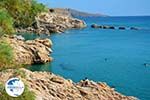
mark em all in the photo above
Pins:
pixel 6 23
pixel 6 55
pixel 23 11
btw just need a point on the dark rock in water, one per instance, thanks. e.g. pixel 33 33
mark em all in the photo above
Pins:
pixel 108 27
pixel 96 26
pixel 146 65
pixel 111 27
pixel 122 28
pixel 103 27
pixel 134 28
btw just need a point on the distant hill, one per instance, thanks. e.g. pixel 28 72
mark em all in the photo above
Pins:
pixel 75 13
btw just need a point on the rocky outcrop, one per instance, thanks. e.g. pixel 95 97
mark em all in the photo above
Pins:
pixel 30 51
pixel 102 26
pixel 48 86
pixel 53 23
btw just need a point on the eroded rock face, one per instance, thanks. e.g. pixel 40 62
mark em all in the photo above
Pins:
pixel 31 51
pixel 48 86
pixel 53 23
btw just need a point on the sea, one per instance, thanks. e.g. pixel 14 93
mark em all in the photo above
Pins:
pixel 121 58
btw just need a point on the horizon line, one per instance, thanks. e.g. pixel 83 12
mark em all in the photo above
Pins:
pixel 107 15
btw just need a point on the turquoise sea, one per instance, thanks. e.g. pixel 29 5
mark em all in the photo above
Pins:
pixel 116 57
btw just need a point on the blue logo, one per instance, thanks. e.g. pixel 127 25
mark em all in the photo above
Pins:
pixel 14 87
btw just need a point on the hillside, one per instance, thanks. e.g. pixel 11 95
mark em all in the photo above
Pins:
pixel 76 13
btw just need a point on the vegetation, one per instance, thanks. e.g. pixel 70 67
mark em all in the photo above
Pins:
pixel 15 14
pixel 27 94
pixel 6 55
pixel 6 23
pixel 18 13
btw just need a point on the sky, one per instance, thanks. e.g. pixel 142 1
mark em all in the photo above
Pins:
pixel 107 7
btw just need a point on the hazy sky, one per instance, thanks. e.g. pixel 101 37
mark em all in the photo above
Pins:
pixel 108 7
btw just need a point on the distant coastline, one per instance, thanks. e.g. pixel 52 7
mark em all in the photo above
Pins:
pixel 76 13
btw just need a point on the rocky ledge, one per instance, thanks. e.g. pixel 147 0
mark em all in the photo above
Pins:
pixel 53 23
pixel 30 51
pixel 48 86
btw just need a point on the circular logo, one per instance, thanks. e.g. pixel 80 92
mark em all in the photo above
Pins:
pixel 14 87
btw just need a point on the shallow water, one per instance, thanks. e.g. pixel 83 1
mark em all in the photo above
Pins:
pixel 113 56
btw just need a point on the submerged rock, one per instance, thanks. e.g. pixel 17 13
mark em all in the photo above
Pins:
pixel 30 51
pixel 134 28
pixel 48 86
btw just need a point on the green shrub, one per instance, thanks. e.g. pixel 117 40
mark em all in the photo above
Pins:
pixel 6 55
pixel 6 23
pixel 22 11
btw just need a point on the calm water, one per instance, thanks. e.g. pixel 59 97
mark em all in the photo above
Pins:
pixel 113 56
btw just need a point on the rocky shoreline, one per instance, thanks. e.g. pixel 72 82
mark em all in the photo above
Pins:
pixel 48 86
pixel 47 23
pixel 30 51
pixel 45 85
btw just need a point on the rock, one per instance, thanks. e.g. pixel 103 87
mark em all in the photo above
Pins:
pixel 122 28
pixel 108 27
pixel 111 27
pixel 105 27
pixel 96 26
pixel 146 65
pixel 102 26
pixel 48 86
pixel 134 28
pixel 47 23
pixel 30 51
